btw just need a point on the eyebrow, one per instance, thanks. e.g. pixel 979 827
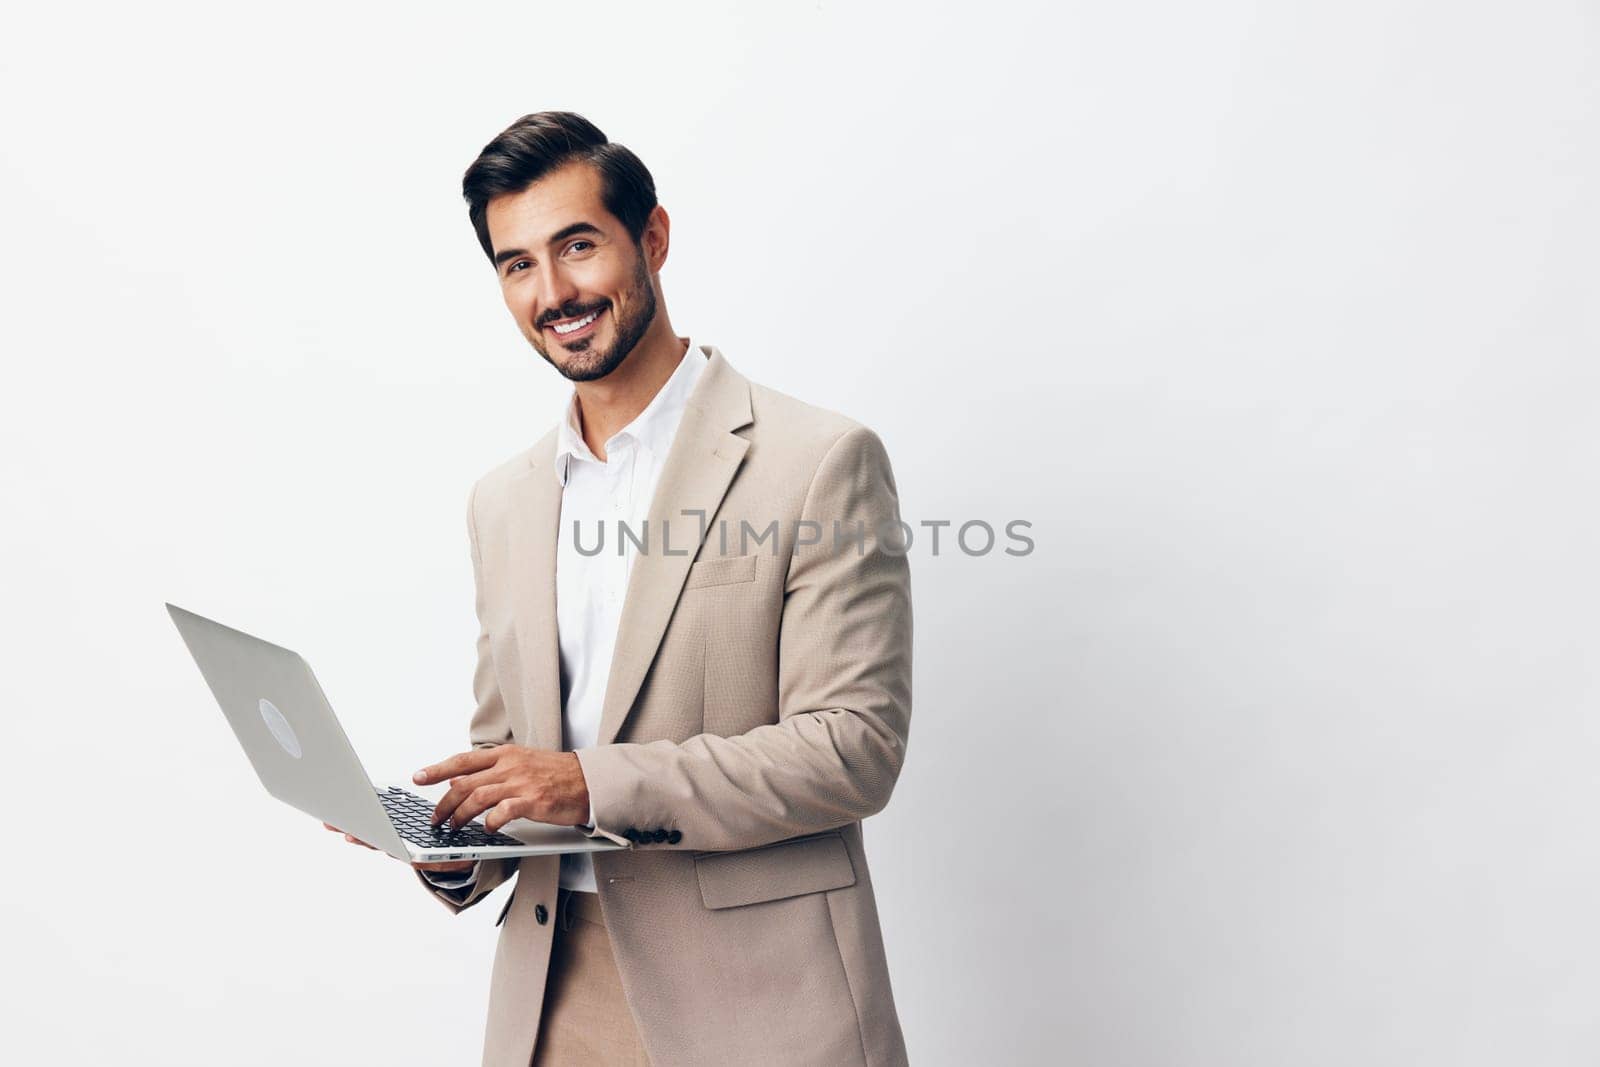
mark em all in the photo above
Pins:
pixel 501 258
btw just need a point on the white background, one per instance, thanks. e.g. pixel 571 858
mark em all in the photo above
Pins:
pixel 1277 321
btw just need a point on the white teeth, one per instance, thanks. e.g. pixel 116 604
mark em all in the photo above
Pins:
pixel 580 324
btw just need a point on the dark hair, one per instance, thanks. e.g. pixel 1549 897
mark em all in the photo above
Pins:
pixel 537 144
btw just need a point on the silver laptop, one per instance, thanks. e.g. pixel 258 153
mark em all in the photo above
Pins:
pixel 283 720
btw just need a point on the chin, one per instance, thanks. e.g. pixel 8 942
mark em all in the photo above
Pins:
pixel 582 365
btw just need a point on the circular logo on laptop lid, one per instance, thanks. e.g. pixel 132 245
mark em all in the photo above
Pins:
pixel 279 727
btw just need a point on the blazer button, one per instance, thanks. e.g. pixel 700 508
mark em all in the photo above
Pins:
pixel 631 833
pixel 659 835
pixel 540 914
pixel 674 837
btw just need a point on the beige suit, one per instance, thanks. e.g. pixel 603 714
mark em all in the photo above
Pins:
pixel 756 711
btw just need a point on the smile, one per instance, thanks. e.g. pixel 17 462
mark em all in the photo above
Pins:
pixel 576 327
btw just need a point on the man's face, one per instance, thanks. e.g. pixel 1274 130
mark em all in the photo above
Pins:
pixel 565 261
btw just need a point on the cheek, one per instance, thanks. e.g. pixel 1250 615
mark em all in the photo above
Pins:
pixel 515 301
pixel 606 280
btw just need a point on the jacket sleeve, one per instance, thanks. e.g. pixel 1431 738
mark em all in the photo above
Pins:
pixel 490 726
pixel 844 691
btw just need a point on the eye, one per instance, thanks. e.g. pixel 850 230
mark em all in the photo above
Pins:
pixel 518 265
pixel 575 244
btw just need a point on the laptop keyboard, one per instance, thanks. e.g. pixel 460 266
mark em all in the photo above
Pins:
pixel 410 815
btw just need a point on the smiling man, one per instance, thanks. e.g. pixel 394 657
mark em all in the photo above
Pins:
pixel 728 706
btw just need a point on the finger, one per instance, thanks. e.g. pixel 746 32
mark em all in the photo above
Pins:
pixel 481 800
pixel 461 763
pixel 457 793
pixel 504 812
pixel 357 841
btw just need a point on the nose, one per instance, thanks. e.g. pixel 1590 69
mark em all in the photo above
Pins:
pixel 556 292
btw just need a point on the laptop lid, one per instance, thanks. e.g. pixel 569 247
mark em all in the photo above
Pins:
pixel 287 728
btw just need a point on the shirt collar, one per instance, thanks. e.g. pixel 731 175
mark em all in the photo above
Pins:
pixel 652 429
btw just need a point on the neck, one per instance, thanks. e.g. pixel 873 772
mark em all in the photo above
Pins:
pixel 607 404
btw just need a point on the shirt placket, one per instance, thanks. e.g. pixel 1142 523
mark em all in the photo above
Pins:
pixel 620 495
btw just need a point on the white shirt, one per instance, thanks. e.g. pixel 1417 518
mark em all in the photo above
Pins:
pixel 590 589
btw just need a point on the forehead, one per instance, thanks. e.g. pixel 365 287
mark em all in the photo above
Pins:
pixel 562 197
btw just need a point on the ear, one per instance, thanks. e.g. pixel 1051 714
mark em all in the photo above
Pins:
pixel 656 238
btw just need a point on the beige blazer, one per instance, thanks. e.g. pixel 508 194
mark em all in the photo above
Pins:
pixel 756 711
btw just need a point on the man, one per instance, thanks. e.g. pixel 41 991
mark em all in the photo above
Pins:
pixel 728 695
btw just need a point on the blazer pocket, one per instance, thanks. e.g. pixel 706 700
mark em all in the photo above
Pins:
pixel 772 872
pixel 724 570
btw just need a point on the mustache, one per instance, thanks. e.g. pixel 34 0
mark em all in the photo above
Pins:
pixel 568 311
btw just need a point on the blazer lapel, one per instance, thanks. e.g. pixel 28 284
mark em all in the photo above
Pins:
pixel 534 526
pixel 702 461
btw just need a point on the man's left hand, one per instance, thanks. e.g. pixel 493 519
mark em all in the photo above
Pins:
pixel 510 782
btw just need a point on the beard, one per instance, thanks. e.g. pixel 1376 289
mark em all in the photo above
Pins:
pixel 585 362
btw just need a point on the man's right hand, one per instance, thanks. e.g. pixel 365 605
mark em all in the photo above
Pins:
pixel 443 867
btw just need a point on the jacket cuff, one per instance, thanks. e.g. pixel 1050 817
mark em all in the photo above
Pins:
pixel 486 877
pixel 441 880
pixel 599 808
